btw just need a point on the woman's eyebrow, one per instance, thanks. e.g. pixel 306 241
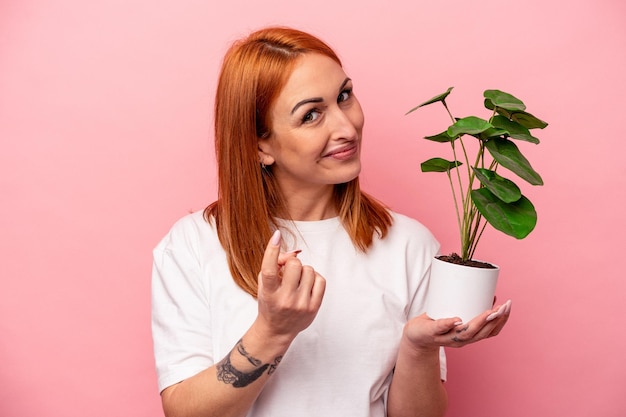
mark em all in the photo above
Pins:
pixel 305 101
pixel 343 84
pixel 317 99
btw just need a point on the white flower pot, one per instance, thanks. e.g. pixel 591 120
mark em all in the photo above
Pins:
pixel 460 291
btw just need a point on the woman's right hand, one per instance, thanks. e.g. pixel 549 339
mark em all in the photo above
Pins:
pixel 289 293
pixel 289 297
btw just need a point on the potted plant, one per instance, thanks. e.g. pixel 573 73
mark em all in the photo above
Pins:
pixel 480 148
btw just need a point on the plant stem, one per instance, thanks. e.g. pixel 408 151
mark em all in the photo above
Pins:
pixel 470 222
pixel 458 174
pixel 476 225
pixel 477 239
pixel 461 223
pixel 467 244
pixel 456 204
pixel 448 110
pixel 475 215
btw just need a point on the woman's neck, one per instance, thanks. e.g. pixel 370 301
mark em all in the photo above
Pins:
pixel 312 205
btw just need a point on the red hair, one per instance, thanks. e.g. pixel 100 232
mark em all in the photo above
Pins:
pixel 254 71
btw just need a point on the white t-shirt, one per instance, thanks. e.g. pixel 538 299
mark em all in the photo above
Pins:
pixel 341 365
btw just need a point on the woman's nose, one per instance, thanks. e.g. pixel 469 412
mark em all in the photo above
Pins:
pixel 342 126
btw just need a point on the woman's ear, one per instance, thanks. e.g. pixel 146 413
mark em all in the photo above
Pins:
pixel 265 156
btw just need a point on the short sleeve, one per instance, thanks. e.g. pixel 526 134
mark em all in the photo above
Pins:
pixel 422 248
pixel 180 310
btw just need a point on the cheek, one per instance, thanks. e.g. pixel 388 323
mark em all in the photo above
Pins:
pixel 303 147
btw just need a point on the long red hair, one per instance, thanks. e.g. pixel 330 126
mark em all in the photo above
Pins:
pixel 254 71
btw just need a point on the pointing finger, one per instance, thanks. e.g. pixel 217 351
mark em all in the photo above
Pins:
pixel 269 264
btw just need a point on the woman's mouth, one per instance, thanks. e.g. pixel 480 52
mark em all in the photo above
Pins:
pixel 343 153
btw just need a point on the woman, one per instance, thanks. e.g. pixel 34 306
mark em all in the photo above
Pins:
pixel 295 293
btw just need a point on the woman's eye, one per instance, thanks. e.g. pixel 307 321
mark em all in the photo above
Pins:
pixel 345 95
pixel 310 116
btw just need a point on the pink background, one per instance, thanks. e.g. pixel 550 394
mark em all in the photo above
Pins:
pixel 105 126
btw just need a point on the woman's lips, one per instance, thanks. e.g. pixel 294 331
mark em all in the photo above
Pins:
pixel 343 153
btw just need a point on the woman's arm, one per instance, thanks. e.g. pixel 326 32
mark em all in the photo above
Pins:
pixel 416 388
pixel 289 297
pixel 230 387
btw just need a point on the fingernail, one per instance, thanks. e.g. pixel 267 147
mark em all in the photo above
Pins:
pixel 493 316
pixel 458 323
pixel 507 309
pixel 501 310
pixel 295 251
pixel 275 238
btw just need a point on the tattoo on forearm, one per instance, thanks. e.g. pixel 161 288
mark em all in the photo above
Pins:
pixel 274 365
pixel 228 374
pixel 242 351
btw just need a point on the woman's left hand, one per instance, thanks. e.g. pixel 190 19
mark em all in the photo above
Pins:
pixel 424 333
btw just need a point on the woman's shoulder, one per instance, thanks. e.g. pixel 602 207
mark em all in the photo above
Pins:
pixel 404 225
pixel 411 239
pixel 191 231
pixel 192 221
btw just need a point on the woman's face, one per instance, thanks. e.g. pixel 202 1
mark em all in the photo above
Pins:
pixel 316 126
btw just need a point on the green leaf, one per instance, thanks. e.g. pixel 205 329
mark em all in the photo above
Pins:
pixel 515 219
pixel 441 137
pixel 516 130
pixel 528 120
pixel 440 97
pixel 508 155
pixel 524 118
pixel 439 165
pixel 504 100
pixel 502 188
pixel 493 133
pixel 471 125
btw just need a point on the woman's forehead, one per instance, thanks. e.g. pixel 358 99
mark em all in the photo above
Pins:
pixel 314 75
